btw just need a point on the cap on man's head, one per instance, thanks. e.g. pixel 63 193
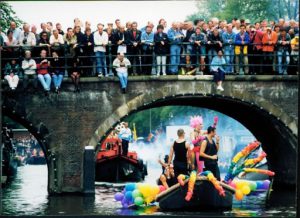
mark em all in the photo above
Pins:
pixel 247 21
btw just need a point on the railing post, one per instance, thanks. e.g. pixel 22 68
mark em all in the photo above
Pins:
pixel 197 63
pixel 110 73
pixel 153 71
pixel 66 61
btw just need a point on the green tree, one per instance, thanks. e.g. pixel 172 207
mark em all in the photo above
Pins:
pixel 7 14
pixel 255 10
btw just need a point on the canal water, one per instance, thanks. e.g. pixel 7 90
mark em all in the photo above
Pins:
pixel 27 195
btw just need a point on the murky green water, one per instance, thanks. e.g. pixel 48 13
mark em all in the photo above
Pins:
pixel 27 195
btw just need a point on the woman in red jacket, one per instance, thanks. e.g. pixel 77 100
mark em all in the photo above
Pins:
pixel 269 41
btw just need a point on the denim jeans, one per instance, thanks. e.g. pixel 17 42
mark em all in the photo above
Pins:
pixel 45 80
pixel 229 57
pixel 241 61
pixel 101 62
pixel 161 60
pixel 175 58
pixel 57 79
pixel 282 68
pixel 123 76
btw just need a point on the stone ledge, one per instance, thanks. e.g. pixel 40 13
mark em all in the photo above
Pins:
pixel 252 78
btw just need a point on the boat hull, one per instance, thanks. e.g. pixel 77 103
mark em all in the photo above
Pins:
pixel 205 197
pixel 120 169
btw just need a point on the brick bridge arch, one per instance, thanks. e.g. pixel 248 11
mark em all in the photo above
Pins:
pixel 17 113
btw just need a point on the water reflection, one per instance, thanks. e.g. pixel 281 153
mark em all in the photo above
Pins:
pixel 27 195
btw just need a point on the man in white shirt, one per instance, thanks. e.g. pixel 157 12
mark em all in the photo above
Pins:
pixel 121 64
pixel 29 67
pixel 100 42
pixel 27 38
pixel 126 135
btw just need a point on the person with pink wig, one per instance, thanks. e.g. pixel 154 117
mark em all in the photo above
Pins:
pixel 197 136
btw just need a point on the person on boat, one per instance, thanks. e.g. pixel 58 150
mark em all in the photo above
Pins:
pixel 181 152
pixel 197 136
pixel 167 178
pixel 125 135
pixel 209 150
pixel 112 142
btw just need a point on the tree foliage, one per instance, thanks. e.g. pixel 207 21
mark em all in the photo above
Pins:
pixel 255 10
pixel 167 115
pixel 7 14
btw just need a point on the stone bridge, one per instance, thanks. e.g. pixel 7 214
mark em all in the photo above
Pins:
pixel 64 124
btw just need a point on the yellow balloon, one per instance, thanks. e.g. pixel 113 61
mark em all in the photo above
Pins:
pixel 239 184
pixel 246 190
pixel 149 199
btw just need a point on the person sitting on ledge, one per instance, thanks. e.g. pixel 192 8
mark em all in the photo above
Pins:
pixel 121 64
pixel 12 70
pixel 217 69
pixel 43 73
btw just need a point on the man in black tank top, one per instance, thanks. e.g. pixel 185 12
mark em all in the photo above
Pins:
pixel 209 150
pixel 181 150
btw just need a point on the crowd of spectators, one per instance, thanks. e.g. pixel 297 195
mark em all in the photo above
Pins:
pixel 214 47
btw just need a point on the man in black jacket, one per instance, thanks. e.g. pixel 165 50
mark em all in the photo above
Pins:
pixel 133 41
pixel 214 41
pixel 161 49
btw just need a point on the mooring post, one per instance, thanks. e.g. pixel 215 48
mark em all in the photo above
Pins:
pixel 89 170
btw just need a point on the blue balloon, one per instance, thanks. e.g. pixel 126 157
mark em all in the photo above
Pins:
pixel 259 185
pixel 128 196
pixel 119 196
pixel 129 187
pixel 266 184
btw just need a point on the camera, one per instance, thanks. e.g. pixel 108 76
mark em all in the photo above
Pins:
pixel 25 41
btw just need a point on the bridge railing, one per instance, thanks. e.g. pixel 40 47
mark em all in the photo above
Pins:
pixel 261 63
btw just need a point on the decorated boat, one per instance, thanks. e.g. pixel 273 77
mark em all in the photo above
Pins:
pixel 113 166
pixel 205 196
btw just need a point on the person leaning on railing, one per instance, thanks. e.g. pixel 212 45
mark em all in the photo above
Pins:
pixel 29 68
pixel 256 36
pixel 44 42
pixel 27 38
pixel 228 38
pixel 198 42
pixel 175 37
pixel 57 42
pixel 214 43
pixel 133 42
pixel 147 40
pixel 161 50
pixel 295 53
pixel 283 47
pixel 242 40
pixel 269 41
pixel 100 42
pixel 88 50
